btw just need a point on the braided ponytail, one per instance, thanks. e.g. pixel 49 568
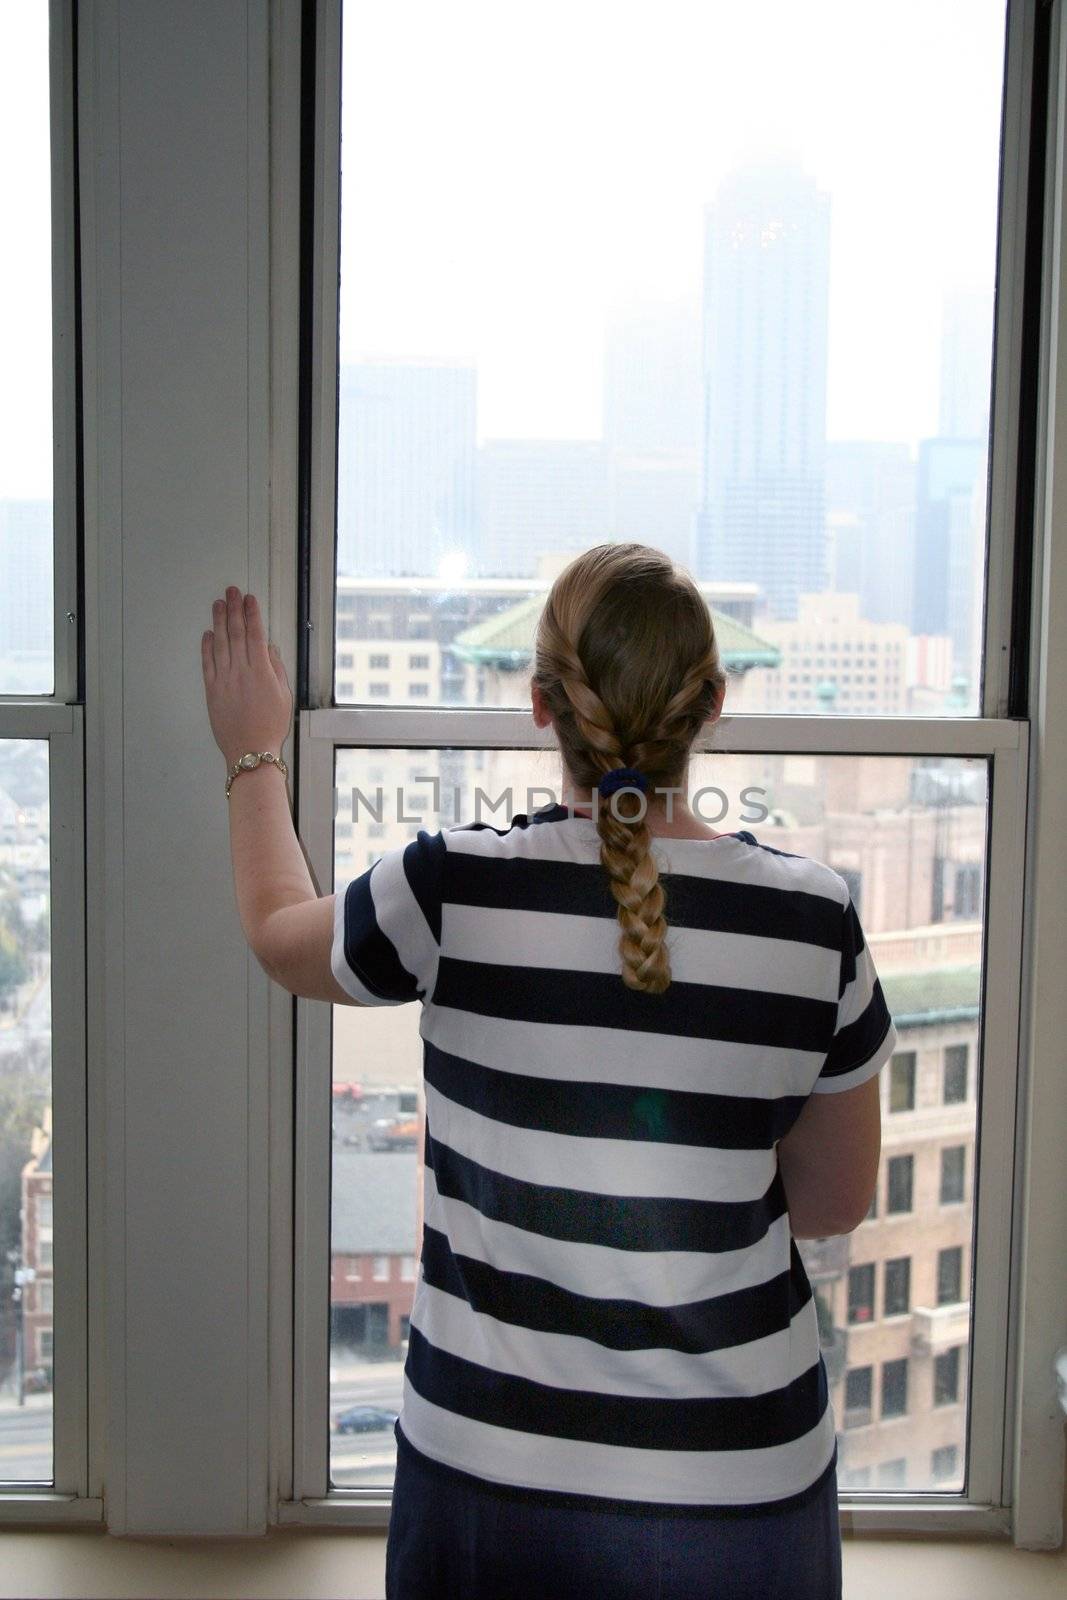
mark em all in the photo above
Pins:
pixel 628 666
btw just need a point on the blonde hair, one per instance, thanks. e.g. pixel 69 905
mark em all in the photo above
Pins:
pixel 628 665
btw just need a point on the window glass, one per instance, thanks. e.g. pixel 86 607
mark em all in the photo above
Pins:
pixel 887 818
pixel 26 448
pixel 686 308
pixel 26 1214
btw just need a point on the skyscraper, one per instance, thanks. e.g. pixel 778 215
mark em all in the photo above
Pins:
pixel 405 469
pixel 870 504
pixel 966 363
pixel 766 282
pixel 538 496
pixel 949 536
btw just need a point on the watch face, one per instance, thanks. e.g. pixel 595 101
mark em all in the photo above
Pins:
pixel 250 761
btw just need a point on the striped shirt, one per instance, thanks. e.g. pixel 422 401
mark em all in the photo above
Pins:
pixel 610 1307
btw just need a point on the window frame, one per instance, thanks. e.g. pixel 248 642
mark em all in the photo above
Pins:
pixel 75 1495
pixel 999 733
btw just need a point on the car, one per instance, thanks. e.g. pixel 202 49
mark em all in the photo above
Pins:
pixel 364 1419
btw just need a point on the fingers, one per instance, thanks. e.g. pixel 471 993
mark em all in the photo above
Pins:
pixel 235 624
pixel 238 634
pixel 255 633
pixel 222 638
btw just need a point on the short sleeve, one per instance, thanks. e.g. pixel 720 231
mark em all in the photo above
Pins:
pixel 387 925
pixel 865 1036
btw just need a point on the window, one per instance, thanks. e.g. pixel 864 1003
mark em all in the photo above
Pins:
pixel 953 1168
pixel 463 486
pixel 895 1387
pixel 955 1073
pixel 943 1462
pixel 419 663
pixel 377 661
pixel 42 1174
pixel 858 1397
pixel 967 899
pixel 897 1299
pixel 949 1268
pixel 899 1183
pixel 861 1293
pixel 947 1377
pixel 902 1081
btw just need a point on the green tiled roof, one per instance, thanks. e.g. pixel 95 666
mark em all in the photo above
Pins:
pixel 936 994
pixel 506 640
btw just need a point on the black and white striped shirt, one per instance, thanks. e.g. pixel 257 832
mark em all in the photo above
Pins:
pixel 610 1302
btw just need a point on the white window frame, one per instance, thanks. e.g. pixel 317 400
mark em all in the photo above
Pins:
pixel 1005 1493
pixel 72 1496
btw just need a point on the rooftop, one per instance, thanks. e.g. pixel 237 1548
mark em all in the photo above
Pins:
pixel 506 640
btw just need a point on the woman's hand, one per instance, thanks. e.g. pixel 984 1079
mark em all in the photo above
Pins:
pixel 249 700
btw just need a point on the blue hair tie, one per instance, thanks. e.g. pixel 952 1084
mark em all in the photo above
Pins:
pixel 622 778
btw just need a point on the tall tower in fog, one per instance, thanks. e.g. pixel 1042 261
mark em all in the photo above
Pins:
pixel 405 469
pixel 766 280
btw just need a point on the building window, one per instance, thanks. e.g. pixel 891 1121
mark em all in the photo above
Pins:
pixel 44 1345
pixel 861 1293
pixel 937 891
pixel 949 1275
pixel 955 1073
pixel 418 691
pixel 381 1269
pixel 897 1290
pixel 345 629
pixel 893 1474
pixel 895 1387
pixel 947 1377
pixel 419 663
pixel 44 1252
pixel 380 691
pixel 44 1294
pixel 902 1081
pixel 953 1167
pixel 407 1269
pixel 858 1392
pixel 378 662
pixel 967 896
pixel 899 1183
pixel 943 1462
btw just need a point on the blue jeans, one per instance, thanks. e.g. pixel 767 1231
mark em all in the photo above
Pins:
pixel 450 1538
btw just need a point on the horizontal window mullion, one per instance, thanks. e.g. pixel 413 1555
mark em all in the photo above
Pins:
pixel 34 719
pixel 498 728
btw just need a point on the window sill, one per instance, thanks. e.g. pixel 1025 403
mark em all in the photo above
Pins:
pixel 316 1564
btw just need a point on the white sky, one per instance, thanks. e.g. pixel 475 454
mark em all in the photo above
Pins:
pixel 515 174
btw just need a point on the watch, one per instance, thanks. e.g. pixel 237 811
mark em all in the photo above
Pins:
pixel 251 760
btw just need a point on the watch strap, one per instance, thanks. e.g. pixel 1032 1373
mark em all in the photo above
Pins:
pixel 250 761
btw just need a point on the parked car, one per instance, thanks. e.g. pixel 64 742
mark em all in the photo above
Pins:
pixel 394 1133
pixel 364 1419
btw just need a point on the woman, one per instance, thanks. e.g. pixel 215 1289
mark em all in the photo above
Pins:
pixel 613 1382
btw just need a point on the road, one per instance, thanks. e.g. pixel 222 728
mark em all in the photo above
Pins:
pixel 356 1460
